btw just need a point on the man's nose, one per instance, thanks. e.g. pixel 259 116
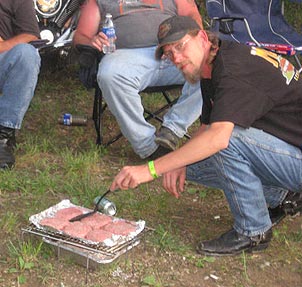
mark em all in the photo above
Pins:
pixel 176 57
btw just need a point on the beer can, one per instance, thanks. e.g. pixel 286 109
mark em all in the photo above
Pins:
pixel 105 206
pixel 72 120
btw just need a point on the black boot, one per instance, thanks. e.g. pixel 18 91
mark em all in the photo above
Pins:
pixel 291 205
pixel 231 243
pixel 7 145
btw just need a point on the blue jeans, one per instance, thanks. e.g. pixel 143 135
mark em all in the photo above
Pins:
pixel 123 74
pixel 255 171
pixel 19 69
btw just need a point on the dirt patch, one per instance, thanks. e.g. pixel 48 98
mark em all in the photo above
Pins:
pixel 50 155
pixel 150 264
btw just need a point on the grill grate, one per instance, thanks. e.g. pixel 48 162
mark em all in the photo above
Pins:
pixel 97 252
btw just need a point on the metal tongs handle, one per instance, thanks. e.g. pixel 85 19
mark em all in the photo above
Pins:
pixel 81 216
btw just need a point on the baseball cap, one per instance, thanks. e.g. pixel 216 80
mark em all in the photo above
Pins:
pixel 173 29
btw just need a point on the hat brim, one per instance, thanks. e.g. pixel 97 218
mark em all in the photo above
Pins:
pixel 169 40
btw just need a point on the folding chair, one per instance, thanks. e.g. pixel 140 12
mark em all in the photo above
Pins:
pixel 255 22
pixel 88 60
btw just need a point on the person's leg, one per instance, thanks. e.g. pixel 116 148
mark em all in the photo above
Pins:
pixel 121 76
pixel 180 117
pixel 253 160
pixel 19 69
pixel 248 207
pixel 186 111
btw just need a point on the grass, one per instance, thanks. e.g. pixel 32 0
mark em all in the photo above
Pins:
pixel 55 162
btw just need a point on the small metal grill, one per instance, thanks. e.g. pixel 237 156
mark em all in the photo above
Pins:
pixel 95 252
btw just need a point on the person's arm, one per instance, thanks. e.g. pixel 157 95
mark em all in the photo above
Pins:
pixel 26 27
pixel 189 8
pixel 6 45
pixel 87 32
pixel 203 145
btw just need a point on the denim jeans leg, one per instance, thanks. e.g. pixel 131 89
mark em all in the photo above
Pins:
pixel 121 76
pixel 274 196
pixel 19 69
pixel 186 111
pixel 226 173
pixel 254 166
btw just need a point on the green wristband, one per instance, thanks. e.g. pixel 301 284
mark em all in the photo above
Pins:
pixel 152 169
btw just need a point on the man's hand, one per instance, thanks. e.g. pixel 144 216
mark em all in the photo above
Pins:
pixel 8 44
pixel 99 40
pixel 131 177
pixel 174 181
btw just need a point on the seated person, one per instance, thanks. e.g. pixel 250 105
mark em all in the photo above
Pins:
pixel 132 68
pixel 19 69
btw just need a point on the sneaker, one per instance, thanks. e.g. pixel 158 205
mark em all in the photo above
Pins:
pixel 291 205
pixel 166 138
pixel 232 243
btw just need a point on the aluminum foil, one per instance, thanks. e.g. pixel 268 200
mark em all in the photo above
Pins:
pixel 114 240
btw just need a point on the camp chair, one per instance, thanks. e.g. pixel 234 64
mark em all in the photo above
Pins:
pixel 255 22
pixel 89 59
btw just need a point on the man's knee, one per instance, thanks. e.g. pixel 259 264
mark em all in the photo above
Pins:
pixel 27 56
pixel 108 72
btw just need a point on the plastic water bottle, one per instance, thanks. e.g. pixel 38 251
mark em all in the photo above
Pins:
pixel 109 31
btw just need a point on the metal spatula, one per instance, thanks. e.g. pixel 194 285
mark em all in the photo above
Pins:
pixel 81 216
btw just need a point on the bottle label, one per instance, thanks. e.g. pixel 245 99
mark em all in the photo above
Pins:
pixel 109 32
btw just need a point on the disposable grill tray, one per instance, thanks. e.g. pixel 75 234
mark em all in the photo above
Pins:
pixel 99 252
pixel 95 252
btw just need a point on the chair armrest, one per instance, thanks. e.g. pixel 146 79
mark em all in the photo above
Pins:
pixel 41 43
pixel 89 59
pixel 88 55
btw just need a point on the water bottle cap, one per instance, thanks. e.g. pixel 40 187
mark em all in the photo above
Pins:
pixel 108 15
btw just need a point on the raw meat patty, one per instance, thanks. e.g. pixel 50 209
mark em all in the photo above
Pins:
pixel 77 229
pixel 53 222
pixel 97 220
pixel 98 235
pixel 68 213
pixel 120 227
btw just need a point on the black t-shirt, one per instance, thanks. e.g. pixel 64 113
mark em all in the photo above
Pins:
pixel 252 87
pixel 17 17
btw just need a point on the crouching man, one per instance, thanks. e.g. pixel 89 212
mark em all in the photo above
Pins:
pixel 252 148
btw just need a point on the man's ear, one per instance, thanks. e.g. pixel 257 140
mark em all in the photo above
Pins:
pixel 203 36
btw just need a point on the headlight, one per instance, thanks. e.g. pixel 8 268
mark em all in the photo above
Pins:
pixel 47 8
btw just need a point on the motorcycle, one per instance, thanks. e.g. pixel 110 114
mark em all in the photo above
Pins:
pixel 57 22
